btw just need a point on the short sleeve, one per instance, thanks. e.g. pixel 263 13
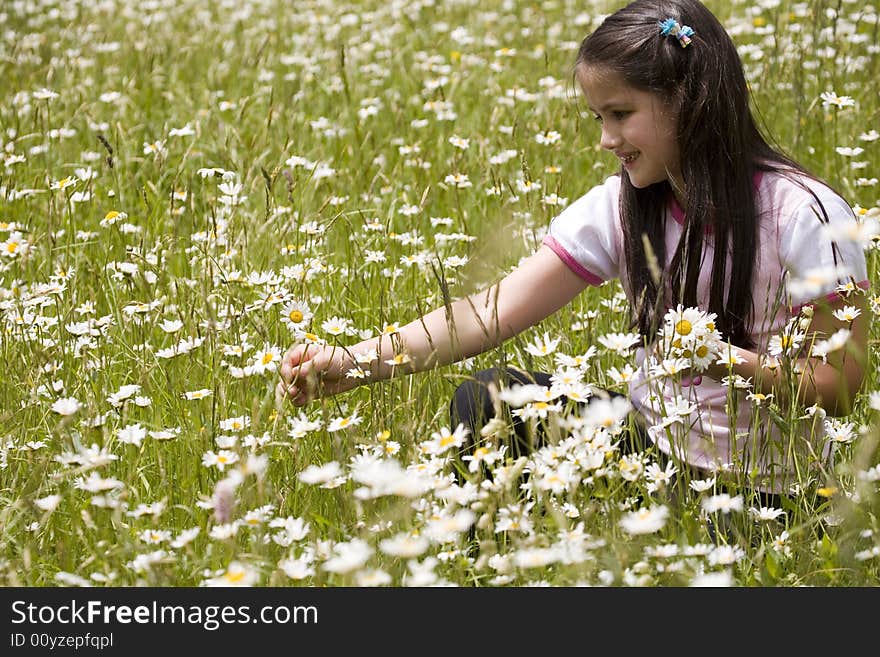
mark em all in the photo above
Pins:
pixel 586 235
pixel 819 255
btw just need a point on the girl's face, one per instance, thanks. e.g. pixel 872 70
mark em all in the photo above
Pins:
pixel 637 126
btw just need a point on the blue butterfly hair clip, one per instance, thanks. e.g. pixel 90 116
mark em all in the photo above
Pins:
pixel 671 27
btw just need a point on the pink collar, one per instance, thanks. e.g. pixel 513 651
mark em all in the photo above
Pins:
pixel 678 213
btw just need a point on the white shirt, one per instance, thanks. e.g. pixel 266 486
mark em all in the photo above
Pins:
pixel 793 245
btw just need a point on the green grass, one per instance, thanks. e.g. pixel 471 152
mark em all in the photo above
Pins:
pixel 253 83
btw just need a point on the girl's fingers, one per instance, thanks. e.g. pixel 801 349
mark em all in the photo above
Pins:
pixel 294 369
pixel 280 392
pixel 298 371
pixel 288 393
pixel 302 372
pixel 297 354
pixel 285 372
pixel 293 355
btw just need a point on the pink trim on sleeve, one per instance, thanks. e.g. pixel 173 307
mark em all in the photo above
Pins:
pixel 571 263
pixel 831 297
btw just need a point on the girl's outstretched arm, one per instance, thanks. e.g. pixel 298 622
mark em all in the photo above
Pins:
pixel 537 288
pixel 832 383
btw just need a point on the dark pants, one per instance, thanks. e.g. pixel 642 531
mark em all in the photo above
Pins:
pixel 473 405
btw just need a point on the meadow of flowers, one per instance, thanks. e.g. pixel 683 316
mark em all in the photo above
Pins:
pixel 188 186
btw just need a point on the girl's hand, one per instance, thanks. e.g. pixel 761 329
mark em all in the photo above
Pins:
pixel 310 371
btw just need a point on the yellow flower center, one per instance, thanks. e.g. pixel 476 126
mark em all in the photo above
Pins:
pixel 683 327
pixel 234 577
pixel 267 358
pixel 111 215
pixel 702 350
pixel 12 247
pixel 296 316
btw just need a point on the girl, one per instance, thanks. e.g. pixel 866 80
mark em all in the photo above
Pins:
pixel 727 224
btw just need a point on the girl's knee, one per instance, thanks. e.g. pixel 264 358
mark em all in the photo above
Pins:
pixel 479 384
pixel 474 395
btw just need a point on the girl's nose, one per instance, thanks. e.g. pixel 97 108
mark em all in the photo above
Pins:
pixel 609 140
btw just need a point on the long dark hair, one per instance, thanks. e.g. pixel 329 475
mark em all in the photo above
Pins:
pixel 721 150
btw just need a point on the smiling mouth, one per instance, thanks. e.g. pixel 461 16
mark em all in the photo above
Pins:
pixel 627 159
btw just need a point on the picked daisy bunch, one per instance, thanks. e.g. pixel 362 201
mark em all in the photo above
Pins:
pixel 791 342
pixel 689 336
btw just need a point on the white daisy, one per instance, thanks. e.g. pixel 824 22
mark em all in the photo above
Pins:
pixel 646 520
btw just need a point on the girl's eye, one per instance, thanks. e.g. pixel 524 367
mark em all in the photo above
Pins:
pixel 620 115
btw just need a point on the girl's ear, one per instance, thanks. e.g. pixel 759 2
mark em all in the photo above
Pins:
pixel 673 102
pixel 674 105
